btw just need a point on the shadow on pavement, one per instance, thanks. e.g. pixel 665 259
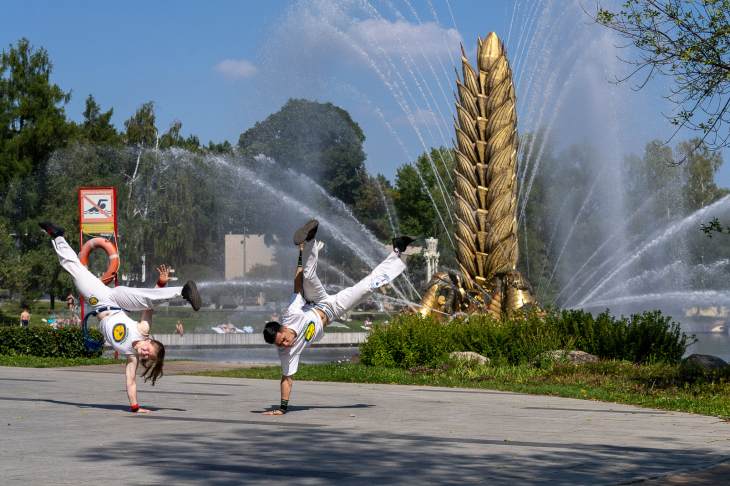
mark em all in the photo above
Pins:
pixel 163 392
pixel 265 452
pixel 26 379
pixel 101 406
pixel 480 392
pixel 209 420
pixel 301 408
pixel 212 384
pixel 640 412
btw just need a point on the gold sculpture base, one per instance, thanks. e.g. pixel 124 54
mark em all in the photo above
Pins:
pixel 502 296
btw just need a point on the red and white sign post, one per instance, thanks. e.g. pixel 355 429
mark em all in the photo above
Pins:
pixel 97 217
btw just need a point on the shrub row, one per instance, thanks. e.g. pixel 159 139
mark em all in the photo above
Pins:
pixel 411 340
pixel 46 342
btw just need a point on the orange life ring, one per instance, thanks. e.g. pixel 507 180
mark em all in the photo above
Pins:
pixel 111 251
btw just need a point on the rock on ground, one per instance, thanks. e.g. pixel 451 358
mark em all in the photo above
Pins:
pixel 469 356
pixel 706 362
pixel 575 357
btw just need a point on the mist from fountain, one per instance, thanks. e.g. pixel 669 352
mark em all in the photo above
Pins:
pixel 394 88
pixel 691 222
pixel 554 84
pixel 253 283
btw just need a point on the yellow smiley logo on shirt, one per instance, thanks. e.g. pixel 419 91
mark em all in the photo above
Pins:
pixel 309 333
pixel 93 300
pixel 119 332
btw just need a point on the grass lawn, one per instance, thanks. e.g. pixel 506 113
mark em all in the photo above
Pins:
pixel 40 362
pixel 655 386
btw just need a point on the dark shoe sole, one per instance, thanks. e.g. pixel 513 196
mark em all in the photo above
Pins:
pixel 401 243
pixel 190 293
pixel 306 232
pixel 53 230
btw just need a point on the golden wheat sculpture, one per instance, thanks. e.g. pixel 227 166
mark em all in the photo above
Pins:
pixel 486 191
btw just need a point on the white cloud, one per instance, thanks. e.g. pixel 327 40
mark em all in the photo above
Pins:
pixel 404 38
pixel 236 68
pixel 322 32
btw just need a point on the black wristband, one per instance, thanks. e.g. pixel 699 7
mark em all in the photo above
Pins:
pixel 284 405
pixel 299 262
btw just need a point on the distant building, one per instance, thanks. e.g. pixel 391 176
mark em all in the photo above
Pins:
pixel 254 252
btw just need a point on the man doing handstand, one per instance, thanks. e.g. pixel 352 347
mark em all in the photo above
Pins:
pixel 312 309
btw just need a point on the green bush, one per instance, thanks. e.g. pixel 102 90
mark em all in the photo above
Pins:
pixel 412 340
pixel 46 342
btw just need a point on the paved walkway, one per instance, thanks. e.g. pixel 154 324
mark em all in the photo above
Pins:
pixel 69 426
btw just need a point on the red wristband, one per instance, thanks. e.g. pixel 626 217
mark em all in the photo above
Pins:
pixel 134 408
pixel 160 284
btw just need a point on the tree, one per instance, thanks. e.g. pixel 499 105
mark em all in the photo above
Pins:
pixel 655 185
pixel 224 147
pixel 701 167
pixel 174 138
pixel 97 126
pixel 140 128
pixel 370 207
pixel 690 42
pixel 423 199
pixel 32 117
pixel 317 139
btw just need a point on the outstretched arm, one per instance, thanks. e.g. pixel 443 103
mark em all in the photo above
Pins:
pixel 285 384
pixel 131 375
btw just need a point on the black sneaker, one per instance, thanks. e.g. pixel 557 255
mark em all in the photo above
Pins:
pixel 53 230
pixel 190 293
pixel 401 243
pixel 306 232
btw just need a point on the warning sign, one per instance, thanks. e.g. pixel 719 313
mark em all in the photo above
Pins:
pixel 96 210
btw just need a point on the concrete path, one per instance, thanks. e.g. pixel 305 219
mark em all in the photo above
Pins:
pixel 69 426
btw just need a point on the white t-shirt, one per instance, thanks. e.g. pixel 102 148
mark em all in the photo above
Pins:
pixel 305 322
pixel 121 331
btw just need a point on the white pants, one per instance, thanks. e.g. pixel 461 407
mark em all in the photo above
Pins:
pixel 348 298
pixel 99 295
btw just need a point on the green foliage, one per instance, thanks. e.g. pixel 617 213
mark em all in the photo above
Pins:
pixel 140 128
pixel 317 139
pixel 423 196
pixel 641 338
pixel 552 219
pixel 46 342
pixel 32 118
pixel 23 361
pixel 700 167
pixel 174 138
pixel 411 340
pixel 688 42
pixel 97 126
pixel 373 209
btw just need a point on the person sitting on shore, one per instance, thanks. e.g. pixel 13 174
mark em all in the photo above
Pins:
pixel 312 309
pixel 128 337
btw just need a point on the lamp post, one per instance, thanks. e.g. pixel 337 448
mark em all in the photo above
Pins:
pixel 243 275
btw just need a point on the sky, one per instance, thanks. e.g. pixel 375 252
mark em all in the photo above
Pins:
pixel 219 67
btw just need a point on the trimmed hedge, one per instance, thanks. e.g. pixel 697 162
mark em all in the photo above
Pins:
pixel 411 340
pixel 47 342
